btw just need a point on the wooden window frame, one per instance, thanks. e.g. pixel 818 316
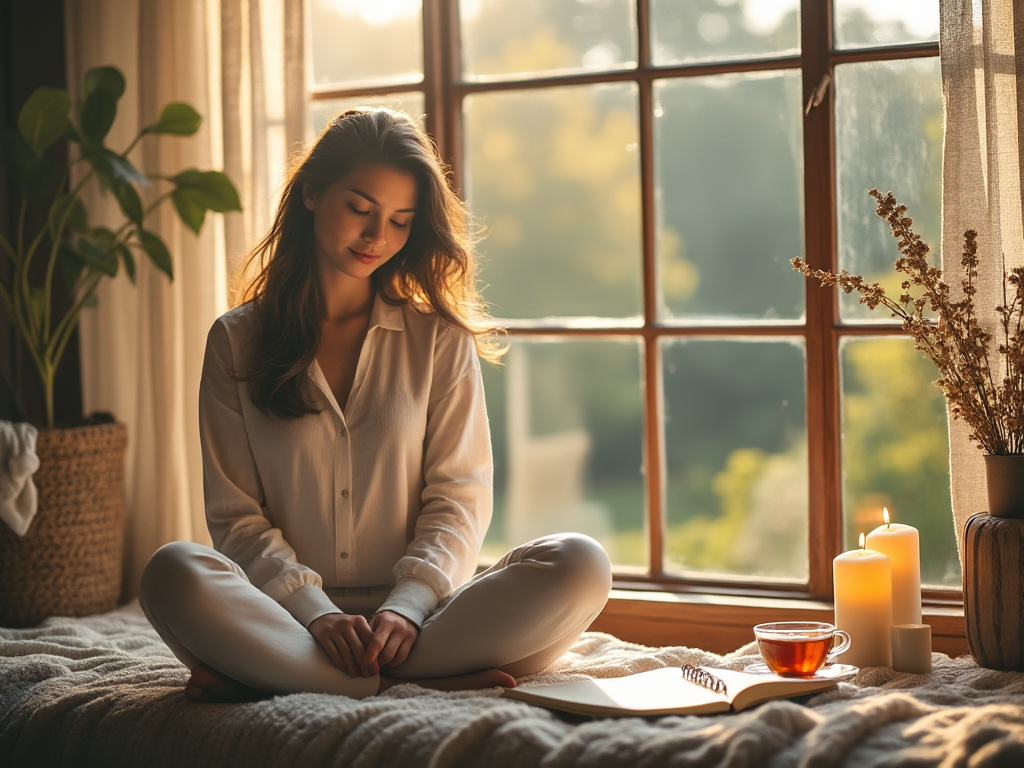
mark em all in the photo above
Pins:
pixel 660 608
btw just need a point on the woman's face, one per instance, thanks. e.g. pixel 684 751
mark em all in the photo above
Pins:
pixel 362 220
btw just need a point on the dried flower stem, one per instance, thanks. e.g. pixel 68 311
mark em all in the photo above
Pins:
pixel 990 401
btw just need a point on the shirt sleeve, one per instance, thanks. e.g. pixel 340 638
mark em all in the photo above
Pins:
pixel 456 502
pixel 234 494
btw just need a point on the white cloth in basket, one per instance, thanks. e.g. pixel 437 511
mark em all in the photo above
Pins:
pixel 18 462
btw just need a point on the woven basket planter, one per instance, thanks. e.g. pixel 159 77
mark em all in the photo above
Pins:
pixel 69 561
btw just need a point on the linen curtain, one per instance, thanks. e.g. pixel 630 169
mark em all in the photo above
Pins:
pixel 142 346
pixel 981 46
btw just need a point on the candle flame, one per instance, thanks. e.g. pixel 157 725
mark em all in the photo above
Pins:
pixel 862 541
pixel 885 516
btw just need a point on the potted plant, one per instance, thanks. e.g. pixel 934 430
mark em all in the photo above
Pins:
pixel 981 374
pixel 51 274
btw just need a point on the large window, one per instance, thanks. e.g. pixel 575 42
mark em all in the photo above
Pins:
pixel 644 171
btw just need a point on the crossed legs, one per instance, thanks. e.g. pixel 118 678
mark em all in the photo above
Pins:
pixel 518 616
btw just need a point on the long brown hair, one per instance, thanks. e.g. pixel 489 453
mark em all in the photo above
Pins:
pixel 434 272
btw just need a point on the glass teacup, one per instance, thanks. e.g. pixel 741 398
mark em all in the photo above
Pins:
pixel 799 648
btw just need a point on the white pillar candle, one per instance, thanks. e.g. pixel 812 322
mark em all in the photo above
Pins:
pixel 900 543
pixel 863 600
pixel 912 648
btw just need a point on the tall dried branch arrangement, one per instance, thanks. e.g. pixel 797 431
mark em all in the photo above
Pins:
pixel 983 384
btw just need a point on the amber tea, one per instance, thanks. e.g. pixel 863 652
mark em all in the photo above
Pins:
pixel 799 648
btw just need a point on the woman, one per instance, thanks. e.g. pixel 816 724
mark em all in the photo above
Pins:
pixel 346 454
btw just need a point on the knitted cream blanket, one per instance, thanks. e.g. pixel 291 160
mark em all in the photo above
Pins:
pixel 103 690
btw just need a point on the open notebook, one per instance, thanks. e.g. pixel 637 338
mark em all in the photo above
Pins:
pixel 668 691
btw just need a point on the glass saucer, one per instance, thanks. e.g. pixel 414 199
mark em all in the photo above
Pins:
pixel 828 672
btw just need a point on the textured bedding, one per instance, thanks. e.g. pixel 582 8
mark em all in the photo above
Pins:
pixel 103 690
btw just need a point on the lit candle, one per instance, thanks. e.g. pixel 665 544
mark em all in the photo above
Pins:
pixel 900 544
pixel 863 598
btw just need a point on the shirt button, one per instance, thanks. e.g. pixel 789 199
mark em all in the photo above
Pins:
pixel 344 493
pixel 344 432
pixel 343 555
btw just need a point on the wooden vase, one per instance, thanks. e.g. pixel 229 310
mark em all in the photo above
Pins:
pixel 994 591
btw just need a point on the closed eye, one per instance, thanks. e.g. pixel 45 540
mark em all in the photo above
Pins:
pixel 358 211
pixel 400 224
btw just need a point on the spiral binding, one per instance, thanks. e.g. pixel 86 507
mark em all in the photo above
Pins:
pixel 704 678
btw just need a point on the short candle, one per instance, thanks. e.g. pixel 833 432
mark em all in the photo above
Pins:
pixel 900 543
pixel 912 648
pixel 863 600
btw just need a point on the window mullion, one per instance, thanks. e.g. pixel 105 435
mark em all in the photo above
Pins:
pixel 440 74
pixel 643 15
pixel 654 444
pixel 823 429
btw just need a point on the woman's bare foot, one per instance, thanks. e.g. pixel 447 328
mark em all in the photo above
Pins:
pixel 489 678
pixel 210 686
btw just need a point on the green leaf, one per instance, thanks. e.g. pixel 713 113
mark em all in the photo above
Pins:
pixel 97 115
pixel 112 169
pixel 129 201
pixel 108 80
pixel 197 192
pixel 77 221
pixel 211 189
pixel 178 119
pixel 98 249
pixel 190 210
pixel 101 88
pixel 44 118
pixel 129 261
pixel 157 251
pixel 125 171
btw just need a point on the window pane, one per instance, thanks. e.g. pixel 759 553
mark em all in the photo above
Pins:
pixel 568 445
pixel 700 31
pixel 728 171
pixel 323 111
pixel 348 36
pixel 554 176
pixel 889 137
pixel 736 458
pixel 861 23
pixel 896 450
pixel 522 38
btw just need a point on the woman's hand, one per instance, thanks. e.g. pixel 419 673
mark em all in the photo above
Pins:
pixel 345 637
pixel 393 638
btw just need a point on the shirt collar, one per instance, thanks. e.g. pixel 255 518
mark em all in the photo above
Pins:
pixel 387 316
pixel 390 317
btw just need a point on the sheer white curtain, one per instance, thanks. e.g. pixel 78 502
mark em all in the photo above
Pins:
pixel 142 346
pixel 981 45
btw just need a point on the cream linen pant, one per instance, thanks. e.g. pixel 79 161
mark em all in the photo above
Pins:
pixel 518 616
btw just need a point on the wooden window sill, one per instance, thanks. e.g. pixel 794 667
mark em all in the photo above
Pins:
pixel 723 623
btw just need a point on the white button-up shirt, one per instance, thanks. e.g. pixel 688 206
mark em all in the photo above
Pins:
pixel 393 489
